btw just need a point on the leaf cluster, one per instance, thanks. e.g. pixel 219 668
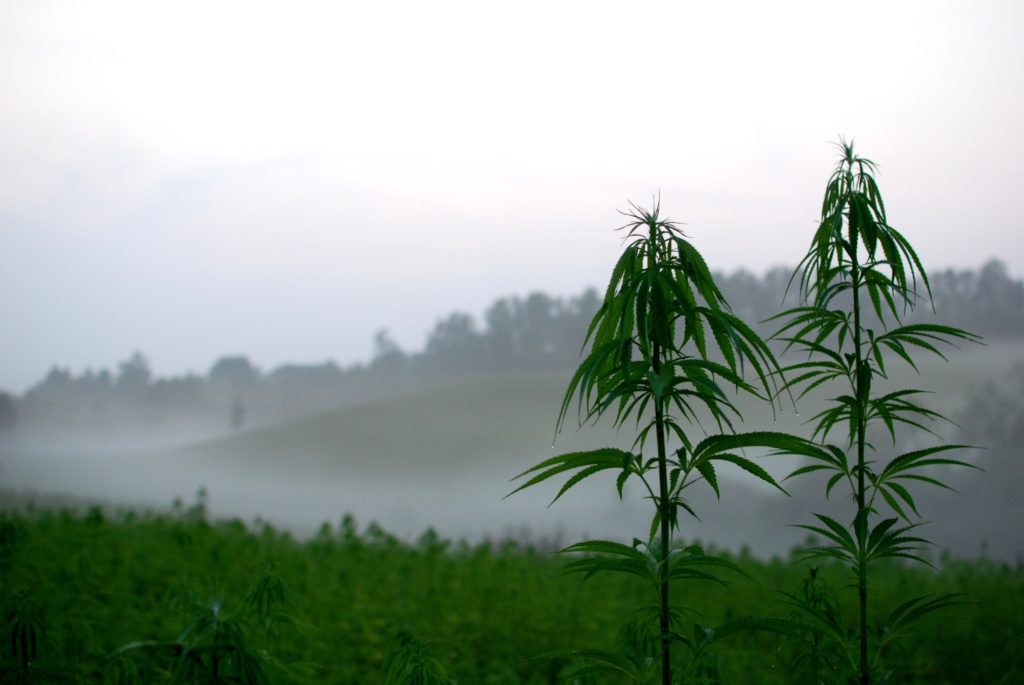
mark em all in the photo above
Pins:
pixel 651 360
pixel 410 662
pixel 664 348
pixel 819 639
pixel 652 339
pixel 216 644
pixel 686 467
pixel 856 253
pixel 856 250
pixel 24 630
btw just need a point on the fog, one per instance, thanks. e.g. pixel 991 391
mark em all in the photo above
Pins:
pixel 459 504
pixel 443 457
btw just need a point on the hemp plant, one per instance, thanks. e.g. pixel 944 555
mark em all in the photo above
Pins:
pixel 856 282
pixel 216 645
pixel 664 349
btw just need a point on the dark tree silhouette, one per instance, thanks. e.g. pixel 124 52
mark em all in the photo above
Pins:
pixel 234 373
pixel 454 344
pixel 133 374
pixel 536 332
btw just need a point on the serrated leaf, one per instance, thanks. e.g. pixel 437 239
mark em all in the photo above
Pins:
pixel 748 466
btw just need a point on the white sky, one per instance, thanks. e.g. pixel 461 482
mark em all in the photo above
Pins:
pixel 281 179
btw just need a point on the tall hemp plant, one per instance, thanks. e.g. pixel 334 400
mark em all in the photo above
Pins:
pixel 664 350
pixel 857 280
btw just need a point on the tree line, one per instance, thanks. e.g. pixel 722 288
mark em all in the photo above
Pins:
pixel 538 332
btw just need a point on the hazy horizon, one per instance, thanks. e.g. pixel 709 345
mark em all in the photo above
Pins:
pixel 281 181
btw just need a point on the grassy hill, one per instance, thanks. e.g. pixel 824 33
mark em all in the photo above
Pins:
pixel 471 424
pixel 444 456
pixel 503 424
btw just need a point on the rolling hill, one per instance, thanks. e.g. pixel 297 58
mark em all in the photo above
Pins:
pixel 443 457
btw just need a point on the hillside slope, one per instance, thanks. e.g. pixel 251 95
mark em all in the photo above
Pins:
pixel 506 422
pixel 444 457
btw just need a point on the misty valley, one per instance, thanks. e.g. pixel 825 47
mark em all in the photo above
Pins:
pixel 355 522
pixel 432 438
pixel 443 458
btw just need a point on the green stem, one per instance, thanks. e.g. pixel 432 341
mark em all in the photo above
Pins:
pixel 861 529
pixel 663 509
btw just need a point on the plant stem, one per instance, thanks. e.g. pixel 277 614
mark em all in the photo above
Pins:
pixel 663 506
pixel 663 490
pixel 862 514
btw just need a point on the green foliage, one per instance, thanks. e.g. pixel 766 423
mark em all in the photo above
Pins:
pixel 490 614
pixel 661 297
pixel 664 349
pixel 24 630
pixel 855 256
pixel 817 639
pixel 411 663
pixel 215 646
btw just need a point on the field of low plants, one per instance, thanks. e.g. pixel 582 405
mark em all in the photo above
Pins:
pixel 92 596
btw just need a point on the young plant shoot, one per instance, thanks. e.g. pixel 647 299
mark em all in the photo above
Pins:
pixel 858 278
pixel 665 353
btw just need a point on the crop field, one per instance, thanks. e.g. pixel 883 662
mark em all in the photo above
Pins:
pixel 499 612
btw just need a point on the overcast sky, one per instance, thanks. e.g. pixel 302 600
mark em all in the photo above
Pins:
pixel 282 179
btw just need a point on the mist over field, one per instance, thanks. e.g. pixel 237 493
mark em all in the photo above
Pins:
pixel 413 440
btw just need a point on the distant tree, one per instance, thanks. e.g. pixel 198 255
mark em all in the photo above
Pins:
pixel 298 376
pixel 999 298
pixel 535 332
pixel 585 306
pixel 503 336
pixel 234 373
pixel 454 344
pixel 384 345
pixel 388 357
pixel 988 300
pixel 50 399
pixel 293 389
pixel 539 332
pixel 8 413
pixel 182 395
pixel 756 299
pixel 571 322
pixel 743 288
pixel 133 374
pixel 538 319
pixel 57 379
